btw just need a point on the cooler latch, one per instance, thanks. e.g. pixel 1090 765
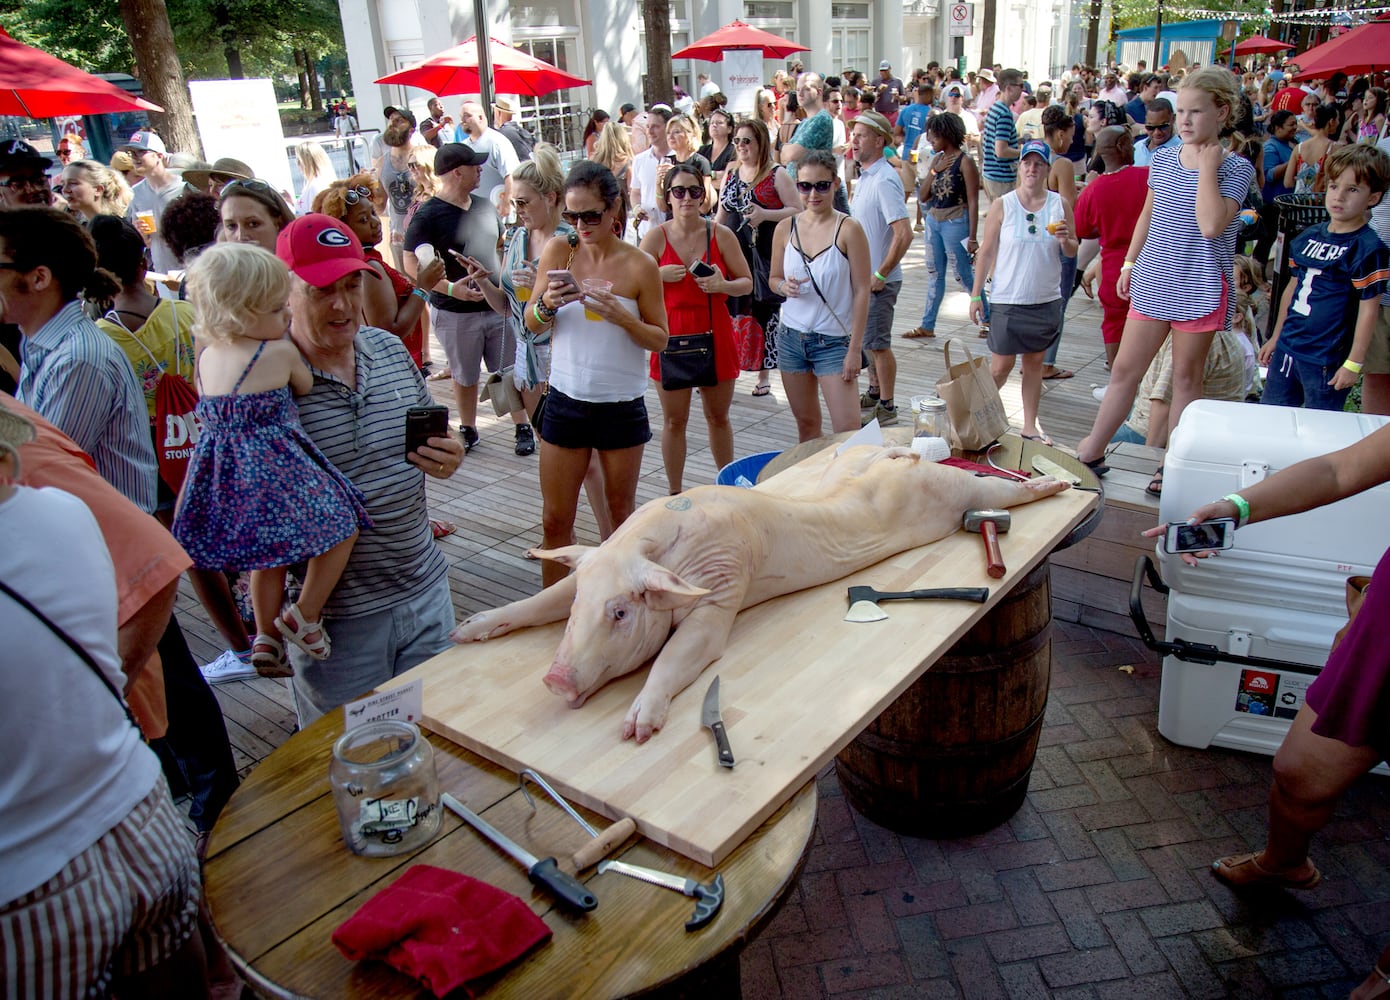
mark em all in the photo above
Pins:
pixel 1252 473
pixel 1238 642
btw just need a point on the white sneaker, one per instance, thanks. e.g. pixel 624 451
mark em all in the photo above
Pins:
pixel 227 667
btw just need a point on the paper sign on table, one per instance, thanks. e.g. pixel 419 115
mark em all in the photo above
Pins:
pixel 402 704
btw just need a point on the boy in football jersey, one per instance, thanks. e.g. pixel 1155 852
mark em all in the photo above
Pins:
pixel 1338 270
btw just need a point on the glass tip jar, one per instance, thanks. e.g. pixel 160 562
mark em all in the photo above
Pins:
pixel 385 788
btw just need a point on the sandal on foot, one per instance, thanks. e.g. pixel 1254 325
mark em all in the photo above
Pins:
pixel 762 390
pixel 296 629
pixel 1155 487
pixel 919 333
pixel 1242 870
pixel 268 657
pixel 1097 465
pixel 440 375
pixel 442 529
pixel 1059 374
pixel 1040 438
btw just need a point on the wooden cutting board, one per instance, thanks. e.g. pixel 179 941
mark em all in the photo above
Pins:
pixel 796 685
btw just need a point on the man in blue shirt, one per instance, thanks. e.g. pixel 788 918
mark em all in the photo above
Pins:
pixel 1158 131
pixel 1279 149
pixel 1149 86
pixel 912 122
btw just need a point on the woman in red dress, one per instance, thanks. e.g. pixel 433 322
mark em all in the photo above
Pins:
pixel 694 305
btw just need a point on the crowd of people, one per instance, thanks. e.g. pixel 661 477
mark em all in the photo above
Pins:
pixel 205 374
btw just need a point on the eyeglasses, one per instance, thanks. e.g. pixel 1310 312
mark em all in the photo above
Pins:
pixel 693 191
pixel 353 195
pixel 1158 128
pixel 743 140
pixel 588 218
pixel 24 181
pixel 412 165
pixel 64 154
pixel 521 202
pixel 806 187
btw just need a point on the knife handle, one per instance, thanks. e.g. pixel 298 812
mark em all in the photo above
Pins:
pixel 563 886
pixel 721 740
pixel 977 594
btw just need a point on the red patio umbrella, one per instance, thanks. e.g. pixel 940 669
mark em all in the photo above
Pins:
pixel 455 71
pixel 38 85
pixel 737 35
pixel 1257 45
pixel 1365 49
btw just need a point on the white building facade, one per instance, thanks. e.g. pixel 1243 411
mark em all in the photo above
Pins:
pixel 602 40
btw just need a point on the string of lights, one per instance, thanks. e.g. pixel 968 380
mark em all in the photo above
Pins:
pixel 1323 17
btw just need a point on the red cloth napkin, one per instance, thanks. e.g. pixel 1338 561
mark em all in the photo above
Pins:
pixel 441 927
pixel 976 467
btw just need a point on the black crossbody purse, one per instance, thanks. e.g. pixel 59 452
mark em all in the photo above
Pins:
pixel 688 360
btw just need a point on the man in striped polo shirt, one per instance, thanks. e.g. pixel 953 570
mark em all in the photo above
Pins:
pixel 391 609
pixel 999 138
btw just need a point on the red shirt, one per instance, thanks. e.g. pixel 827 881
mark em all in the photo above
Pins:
pixel 1109 207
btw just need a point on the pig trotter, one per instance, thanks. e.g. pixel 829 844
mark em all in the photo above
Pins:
pixel 647 715
pixel 481 627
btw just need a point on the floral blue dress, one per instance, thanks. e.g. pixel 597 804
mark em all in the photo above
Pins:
pixel 259 494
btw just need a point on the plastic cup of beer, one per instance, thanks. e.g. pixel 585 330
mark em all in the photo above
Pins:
pixel 592 285
pixel 1055 225
pixel 148 226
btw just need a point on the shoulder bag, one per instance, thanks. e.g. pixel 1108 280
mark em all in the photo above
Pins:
pixel 688 360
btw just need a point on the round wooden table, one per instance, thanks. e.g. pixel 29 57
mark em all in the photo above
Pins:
pixel 279 880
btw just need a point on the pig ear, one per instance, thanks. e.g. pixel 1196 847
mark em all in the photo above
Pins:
pixel 663 590
pixel 565 555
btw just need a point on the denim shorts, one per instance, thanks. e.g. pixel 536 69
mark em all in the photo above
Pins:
pixel 799 352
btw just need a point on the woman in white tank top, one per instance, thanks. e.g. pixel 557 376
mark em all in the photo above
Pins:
pixel 1021 235
pixel 820 263
pixel 598 363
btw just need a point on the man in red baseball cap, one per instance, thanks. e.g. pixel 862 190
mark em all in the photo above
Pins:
pixel 391 609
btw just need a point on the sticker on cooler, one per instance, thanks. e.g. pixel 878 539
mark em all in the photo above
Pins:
pixel 1257 692
pixel 1293 691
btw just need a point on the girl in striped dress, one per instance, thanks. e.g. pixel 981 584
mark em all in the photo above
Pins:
pixel 1177 274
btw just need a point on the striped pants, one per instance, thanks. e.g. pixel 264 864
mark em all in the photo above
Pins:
pixel 124 905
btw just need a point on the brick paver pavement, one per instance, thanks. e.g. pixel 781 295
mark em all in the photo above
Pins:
pixel 1097 887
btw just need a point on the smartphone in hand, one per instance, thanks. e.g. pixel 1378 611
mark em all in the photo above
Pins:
pixel 423 423
pixel 565 278
pixel 1219 533
pixel 702 269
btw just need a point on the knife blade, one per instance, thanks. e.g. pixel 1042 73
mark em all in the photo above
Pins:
pixel 709 716
pixel 543 872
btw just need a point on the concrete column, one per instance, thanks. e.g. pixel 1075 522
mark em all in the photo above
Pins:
pixel 436 28
pixel 611 49
pixel 887 35
pixel 366 58
pixel 813 29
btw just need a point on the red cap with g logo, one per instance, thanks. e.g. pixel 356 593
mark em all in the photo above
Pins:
pixel 320 249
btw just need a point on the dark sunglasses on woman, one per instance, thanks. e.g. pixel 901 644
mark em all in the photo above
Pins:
pixel 693 191
pixel 806 187
pixel 588 218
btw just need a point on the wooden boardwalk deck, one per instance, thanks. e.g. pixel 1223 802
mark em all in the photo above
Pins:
pixel 495 497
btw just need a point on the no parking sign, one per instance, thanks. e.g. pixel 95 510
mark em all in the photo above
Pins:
pixel 962 17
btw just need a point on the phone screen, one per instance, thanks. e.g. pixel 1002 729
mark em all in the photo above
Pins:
pixel 423 423
pixel 1217 534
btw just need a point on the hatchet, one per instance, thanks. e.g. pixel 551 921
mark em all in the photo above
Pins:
pixel 863 601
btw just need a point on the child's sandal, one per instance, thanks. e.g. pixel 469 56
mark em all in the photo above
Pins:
pixel 296 629
pixel 268 657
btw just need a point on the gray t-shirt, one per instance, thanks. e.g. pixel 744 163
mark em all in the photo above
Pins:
pixel 501 160
pixel 147 199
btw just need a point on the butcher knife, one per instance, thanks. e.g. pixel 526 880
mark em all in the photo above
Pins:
pixel 710 717
pixel 543 873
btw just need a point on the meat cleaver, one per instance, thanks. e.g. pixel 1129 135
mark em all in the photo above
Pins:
pixel 863 601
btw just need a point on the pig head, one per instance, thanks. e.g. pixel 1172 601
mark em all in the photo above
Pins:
pixel 625 607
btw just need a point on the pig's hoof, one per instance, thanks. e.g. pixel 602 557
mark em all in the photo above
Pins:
pixel 478 628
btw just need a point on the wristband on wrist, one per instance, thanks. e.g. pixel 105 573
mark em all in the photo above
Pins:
pixel 1127 265
pixel 977 298
pixel 1352 366
pixel 880 277
pixel 543 314
pixel 1242 508
pixel 449 289
pixel 420 292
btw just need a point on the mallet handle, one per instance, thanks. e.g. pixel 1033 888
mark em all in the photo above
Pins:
pixel 994 556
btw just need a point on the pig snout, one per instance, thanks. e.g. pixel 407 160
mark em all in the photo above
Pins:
pixel 560 679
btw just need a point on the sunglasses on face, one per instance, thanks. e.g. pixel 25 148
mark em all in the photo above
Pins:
pixel 353 195
pixel 743 140
pixel 23 181
pixel 521 202
pixel 412 165
pixel 806 187
pixel 588 218
pixel 1158 128
pixel 693 191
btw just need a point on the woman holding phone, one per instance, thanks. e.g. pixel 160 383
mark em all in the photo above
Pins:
pixel 603 306
pixel 701 265
pixel 820 264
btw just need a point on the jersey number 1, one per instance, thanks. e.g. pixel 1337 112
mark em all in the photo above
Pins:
pixel 1305 289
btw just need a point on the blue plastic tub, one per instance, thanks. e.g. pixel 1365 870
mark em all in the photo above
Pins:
pixel 744 471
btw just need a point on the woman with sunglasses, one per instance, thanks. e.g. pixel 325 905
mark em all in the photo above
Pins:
pixel 767 114
pixel 820 264
pixel 397 304
pixel 252 212
pixel 604 314
pixel 1023 232
pixel 694 305
pixel 757 195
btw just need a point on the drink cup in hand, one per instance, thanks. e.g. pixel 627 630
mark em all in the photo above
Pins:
pixel 592 285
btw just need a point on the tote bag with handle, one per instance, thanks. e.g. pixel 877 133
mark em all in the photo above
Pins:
pixel 972 400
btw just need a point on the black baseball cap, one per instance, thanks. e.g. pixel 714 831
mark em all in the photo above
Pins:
pixel 19 155
pixel 453 155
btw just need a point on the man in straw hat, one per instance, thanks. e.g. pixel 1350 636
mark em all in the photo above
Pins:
pixel 212 178
pixel 504 120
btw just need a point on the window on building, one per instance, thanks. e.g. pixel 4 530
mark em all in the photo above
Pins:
pixel 850 27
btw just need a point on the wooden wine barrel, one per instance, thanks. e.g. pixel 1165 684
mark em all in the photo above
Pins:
pixel 952 756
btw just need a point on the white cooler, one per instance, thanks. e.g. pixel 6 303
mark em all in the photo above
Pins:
pixel 1280 593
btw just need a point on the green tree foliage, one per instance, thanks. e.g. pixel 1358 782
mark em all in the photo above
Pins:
pixel 260 35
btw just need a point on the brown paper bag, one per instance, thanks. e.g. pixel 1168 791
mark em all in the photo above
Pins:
pixel 972 400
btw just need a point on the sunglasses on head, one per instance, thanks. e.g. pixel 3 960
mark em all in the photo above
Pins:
pixel 353 195
pixel 693 191
pixel 806 187
pixel 250 184
pixel 588 218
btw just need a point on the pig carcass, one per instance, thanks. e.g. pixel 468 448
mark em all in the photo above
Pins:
pixel 668 583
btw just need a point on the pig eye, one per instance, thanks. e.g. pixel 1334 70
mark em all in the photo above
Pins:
pixel 619 614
